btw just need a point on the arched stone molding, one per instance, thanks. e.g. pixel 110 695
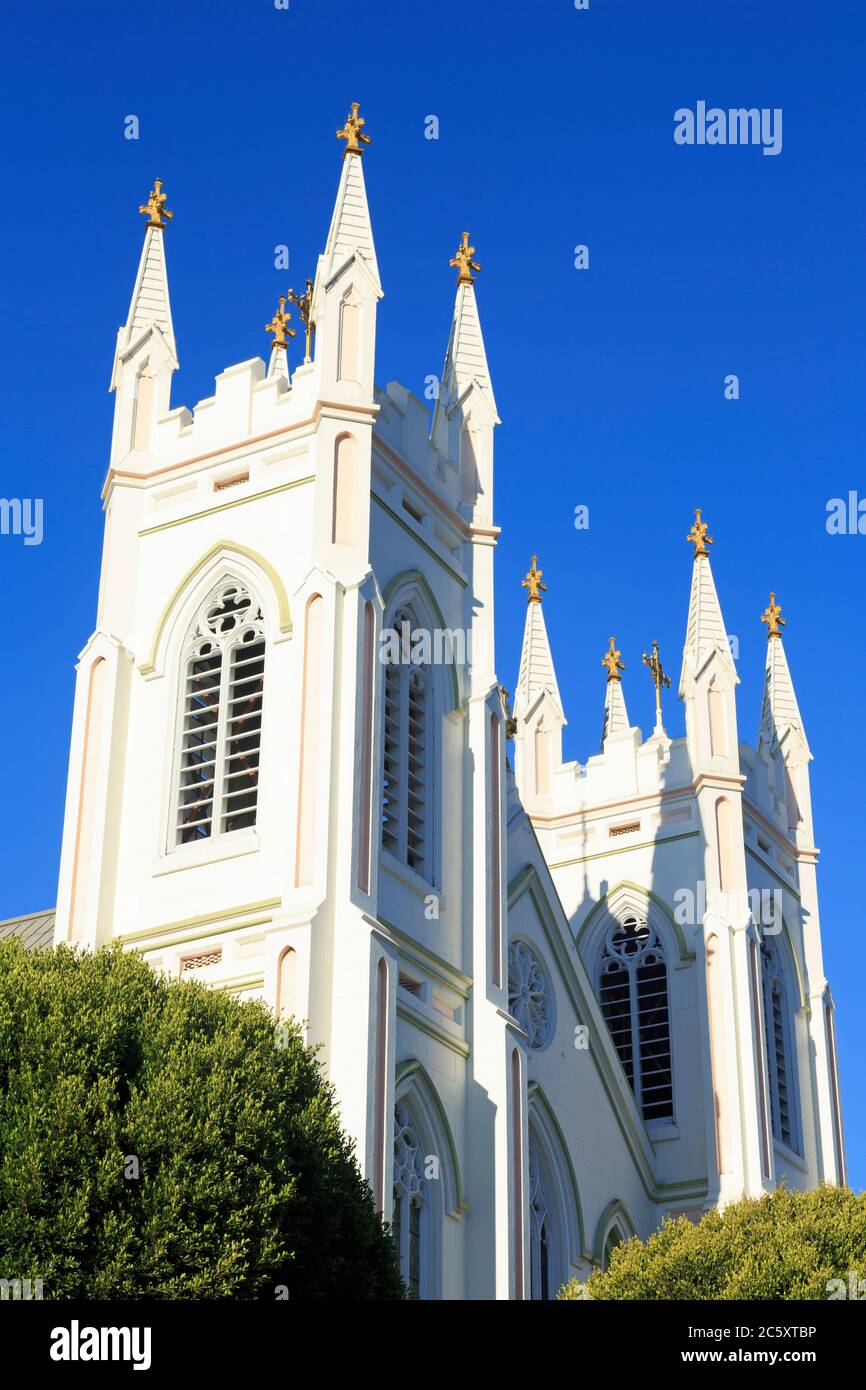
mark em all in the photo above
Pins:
pixel 225 559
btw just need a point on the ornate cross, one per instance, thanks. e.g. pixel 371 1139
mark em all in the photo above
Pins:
pixel 279 325
pixel 611 660
pixel 772 617
pixel 533 583
pixel 462 258
pixel 351 132
pixel 305 303
pixel 658 676
pixel 155 206
pixel 698 535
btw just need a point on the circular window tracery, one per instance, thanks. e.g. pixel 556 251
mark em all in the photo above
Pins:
pixel 530 999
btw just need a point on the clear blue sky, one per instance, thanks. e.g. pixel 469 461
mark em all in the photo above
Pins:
pixel 556 128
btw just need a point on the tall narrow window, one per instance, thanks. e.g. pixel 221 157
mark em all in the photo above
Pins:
pixel 541 1247
pixel 777 1030
pixel 632 987
pixel 411 1207
pixel 517 1162
pixel 221 717
pixel 366 771
pixel 406 754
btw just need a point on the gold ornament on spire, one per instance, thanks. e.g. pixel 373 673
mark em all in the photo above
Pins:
pixel 659 678
pixel 533 583
pixel 279 325
pixel 698 535
pixel 351 132
pixel 611 660
pixel 304 303
pixel 462 258
pixel 772 617
pixel 155 207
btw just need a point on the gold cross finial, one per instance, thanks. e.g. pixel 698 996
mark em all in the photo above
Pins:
pixel 279 325
pixel 462 258
pixel 351 132
pixel 305 303
pixel 698 535
pixel 533 583
pixel 155 207
pixel 772 617
pixel 658 676
pixel 611 660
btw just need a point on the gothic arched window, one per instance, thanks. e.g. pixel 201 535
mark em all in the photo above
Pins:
pixel 410 1220
pixel 407 750
pixel 777 1036
pixel 219 738
pixel 542 1258
pixel 632 988
pixel 613 1239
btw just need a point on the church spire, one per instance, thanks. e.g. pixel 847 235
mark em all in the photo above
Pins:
pixel 536 663
pixel 615 714
pixel 351 231
pixel 705 630
pixel 149 308
pixel 465 357
pixel 279 326
pixel 780 713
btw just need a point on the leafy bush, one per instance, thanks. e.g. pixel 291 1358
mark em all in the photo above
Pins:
pixel 782 1245
pixel 246 1181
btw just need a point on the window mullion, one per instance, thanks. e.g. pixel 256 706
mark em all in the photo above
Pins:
pixel 220 751
pixel 403 764
pixel 636 1059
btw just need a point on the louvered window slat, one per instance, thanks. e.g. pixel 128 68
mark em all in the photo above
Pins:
pixel 221 717
pixel 632 989
pixel 406 756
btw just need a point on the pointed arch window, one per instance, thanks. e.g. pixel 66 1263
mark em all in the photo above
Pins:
pixel 779 1045
pixel 411 1214
pixel 542 1257
pixel 632 990
pixel 407 752
pixel 219 738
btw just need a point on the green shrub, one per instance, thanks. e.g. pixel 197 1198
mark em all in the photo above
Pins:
pixel 782 1245
pixel 246 1181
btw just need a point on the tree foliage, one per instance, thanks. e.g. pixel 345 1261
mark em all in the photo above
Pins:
pixel 784 1245
pixel 247 1187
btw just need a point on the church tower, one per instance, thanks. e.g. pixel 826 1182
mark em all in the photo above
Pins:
pixel 287 771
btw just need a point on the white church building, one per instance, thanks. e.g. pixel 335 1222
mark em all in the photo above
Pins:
pixel 558 1003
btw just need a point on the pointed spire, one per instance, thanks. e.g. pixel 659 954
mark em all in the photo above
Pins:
pixel 279 326
pixel 779 709
pixel 615 713
pixel 705 630
pixel 465 356
pixel 536 663
pixel 351 230
pixel 149 308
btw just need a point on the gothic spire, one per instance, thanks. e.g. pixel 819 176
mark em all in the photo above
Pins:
pixel 465 357
pixel 351 231
pixel 780 713
pixel 615 713
pixel 149 308
pixel 536 663
pixel 705 630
